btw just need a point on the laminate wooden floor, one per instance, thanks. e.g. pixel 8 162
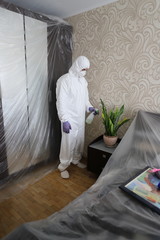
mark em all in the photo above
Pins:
pixel 43 198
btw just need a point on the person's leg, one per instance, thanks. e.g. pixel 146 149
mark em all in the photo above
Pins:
pixel 78 150
pixel 66 151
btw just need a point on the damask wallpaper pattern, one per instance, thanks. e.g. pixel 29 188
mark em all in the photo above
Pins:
pixel 122 42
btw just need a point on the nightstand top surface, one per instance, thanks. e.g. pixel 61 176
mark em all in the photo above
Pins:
pixel 100 145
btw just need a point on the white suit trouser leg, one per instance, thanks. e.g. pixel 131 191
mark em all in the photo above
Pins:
pixel 72 145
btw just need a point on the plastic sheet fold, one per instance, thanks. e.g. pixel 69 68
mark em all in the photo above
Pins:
pixel 104 211
pixel 35 51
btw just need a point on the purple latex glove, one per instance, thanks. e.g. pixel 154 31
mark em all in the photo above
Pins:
pixel 66 127
pixel 92 109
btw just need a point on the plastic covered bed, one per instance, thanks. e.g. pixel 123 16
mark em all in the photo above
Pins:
pixel 104 211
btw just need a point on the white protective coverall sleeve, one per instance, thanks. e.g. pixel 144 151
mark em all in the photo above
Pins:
pixel 88 104
pixel 62 96
pixel 72 104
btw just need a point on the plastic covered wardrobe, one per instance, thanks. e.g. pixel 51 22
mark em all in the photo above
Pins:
pixel 35 51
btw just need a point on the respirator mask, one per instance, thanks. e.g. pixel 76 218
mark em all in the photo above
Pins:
pixel 82 73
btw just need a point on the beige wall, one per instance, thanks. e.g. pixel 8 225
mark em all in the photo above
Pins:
pixel 122 42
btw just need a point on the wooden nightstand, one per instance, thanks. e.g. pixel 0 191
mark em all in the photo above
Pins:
pixel 98 155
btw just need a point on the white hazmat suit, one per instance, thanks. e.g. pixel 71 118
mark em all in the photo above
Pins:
pixel 72 104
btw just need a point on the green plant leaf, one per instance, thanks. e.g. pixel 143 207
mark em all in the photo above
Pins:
pixel 111 119
pixel 120 123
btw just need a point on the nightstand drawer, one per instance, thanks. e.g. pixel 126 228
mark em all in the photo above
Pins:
pixel 98 155
pixel 97 160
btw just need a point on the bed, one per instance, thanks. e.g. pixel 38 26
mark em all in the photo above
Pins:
pixel 104 211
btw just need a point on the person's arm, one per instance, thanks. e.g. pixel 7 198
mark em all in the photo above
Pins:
pixel 88 104
pixel 89 107
pixel 62 103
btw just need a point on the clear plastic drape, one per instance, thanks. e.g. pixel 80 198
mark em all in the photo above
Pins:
pixel 104 211
pixel 35 51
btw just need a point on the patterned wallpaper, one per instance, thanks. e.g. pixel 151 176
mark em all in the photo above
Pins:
pixel 122 42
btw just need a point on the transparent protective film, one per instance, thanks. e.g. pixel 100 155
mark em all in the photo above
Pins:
pixel 34 52
pixel 104 211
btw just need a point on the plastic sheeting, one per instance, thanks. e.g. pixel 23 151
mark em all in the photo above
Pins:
pixel 104 211
pixel 34 52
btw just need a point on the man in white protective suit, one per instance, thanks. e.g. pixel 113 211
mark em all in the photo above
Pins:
pixel 72 104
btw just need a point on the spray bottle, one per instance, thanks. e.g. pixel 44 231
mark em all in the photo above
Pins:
pixel 91 116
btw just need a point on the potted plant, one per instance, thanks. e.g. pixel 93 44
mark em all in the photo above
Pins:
pixel 112 122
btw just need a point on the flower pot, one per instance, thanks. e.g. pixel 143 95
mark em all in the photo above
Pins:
pixel 110 140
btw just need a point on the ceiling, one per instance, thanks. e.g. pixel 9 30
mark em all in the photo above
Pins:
pixel 60 8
